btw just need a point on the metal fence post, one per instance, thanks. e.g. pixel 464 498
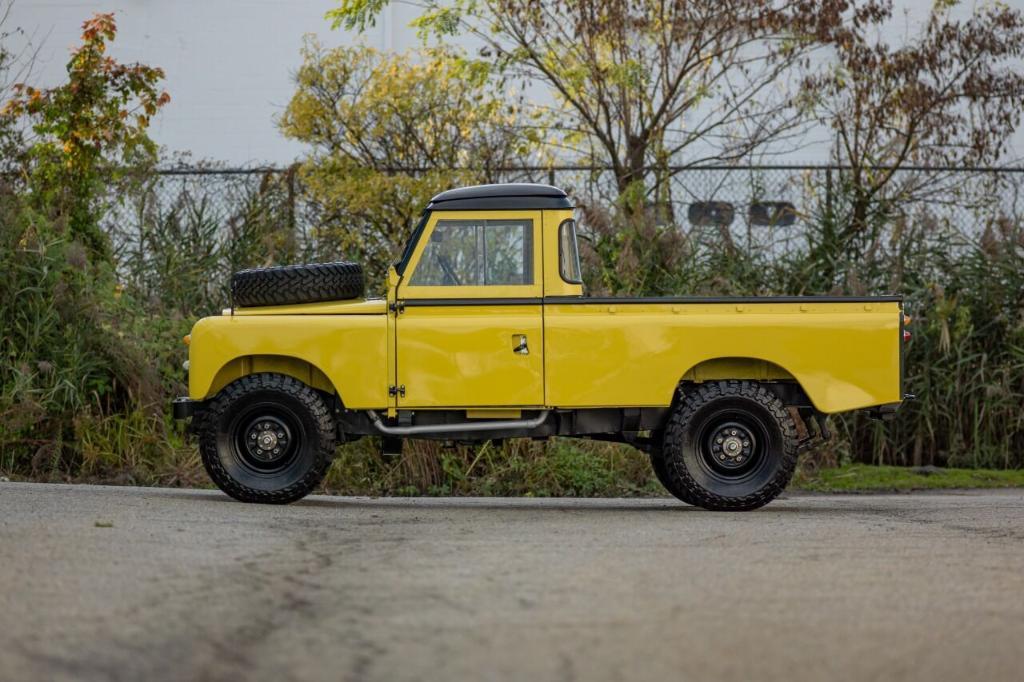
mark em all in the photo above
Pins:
pixel 828 193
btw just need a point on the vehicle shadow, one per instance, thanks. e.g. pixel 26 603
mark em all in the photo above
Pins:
pixel 785 505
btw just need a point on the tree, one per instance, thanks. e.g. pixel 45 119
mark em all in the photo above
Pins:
pixel 950 97
pixel 86 130
pixel 12 67
pixel 645 86
pixel 388 132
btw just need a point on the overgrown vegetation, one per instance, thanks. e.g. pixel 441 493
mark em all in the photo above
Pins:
pixel 98 285
pixel 556 469
pixel 75 365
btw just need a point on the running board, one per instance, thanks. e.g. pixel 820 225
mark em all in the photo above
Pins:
pixel 493 425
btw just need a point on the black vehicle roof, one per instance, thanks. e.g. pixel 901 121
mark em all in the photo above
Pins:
pixel 511 196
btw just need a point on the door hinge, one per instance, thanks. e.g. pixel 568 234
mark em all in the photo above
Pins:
pixel 396 390
pixel 398 307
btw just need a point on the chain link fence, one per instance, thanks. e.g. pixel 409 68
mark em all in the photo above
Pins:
pixel 740 198
pixel 260 216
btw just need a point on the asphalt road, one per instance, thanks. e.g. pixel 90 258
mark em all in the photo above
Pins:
pixel 142 584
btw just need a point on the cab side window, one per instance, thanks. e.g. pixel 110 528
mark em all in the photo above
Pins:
pixel 477 253
pixel 569 253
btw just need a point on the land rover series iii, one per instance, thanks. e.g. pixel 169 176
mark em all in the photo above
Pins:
pixel 486 333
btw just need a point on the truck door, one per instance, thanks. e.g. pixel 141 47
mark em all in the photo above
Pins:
pixel 469 326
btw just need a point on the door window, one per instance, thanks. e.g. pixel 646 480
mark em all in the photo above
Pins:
pixel 476 253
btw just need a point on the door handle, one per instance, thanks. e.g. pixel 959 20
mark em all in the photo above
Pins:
pixel 522 348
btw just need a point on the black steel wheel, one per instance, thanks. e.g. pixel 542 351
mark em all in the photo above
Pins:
pixel 267 438
pixel 729 446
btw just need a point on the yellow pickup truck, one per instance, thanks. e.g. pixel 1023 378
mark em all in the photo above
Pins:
pixel 486 334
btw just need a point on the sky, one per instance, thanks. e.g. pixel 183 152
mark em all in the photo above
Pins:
pixel 229 64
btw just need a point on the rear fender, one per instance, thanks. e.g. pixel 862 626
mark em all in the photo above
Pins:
pixel 778 379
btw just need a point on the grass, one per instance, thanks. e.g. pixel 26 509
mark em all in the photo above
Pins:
pixel 569 468
pixel 115 453
pixel 868 478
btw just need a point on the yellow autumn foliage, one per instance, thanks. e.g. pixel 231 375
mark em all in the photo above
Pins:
pixel 366 114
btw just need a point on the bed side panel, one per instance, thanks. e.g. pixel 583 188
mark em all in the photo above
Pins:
pixel 845 355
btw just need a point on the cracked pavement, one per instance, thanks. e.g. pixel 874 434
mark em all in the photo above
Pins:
pixel 109 583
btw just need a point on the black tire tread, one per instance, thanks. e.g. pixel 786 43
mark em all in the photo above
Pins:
pixel 685 487
pixel 291 284
pixel 660 473
pixel 237 390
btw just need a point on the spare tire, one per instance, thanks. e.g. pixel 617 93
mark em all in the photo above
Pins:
pixel 291 284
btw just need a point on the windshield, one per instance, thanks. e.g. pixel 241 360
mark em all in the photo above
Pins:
pixel 410 244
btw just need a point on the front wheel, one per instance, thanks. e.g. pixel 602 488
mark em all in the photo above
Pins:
pixel 729 446
pixel 267 438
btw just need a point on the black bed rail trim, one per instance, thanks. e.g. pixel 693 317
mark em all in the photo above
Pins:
pixel 610 300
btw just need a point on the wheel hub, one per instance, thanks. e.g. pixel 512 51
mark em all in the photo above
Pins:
pixel 267 439
pixel 732 445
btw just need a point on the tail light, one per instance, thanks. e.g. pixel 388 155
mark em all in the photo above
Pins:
pixel 907 319
pixel 906 336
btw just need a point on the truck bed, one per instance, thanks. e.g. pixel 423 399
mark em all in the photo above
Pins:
pixel 844 351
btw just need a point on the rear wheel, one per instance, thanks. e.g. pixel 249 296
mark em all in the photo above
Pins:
pixel 267 438
pixel 660 473
pixel 729 446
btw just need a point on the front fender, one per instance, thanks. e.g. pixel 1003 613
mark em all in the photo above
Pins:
pixel 347 351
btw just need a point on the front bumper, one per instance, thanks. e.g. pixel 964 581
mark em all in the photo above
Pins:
pixel 183 408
